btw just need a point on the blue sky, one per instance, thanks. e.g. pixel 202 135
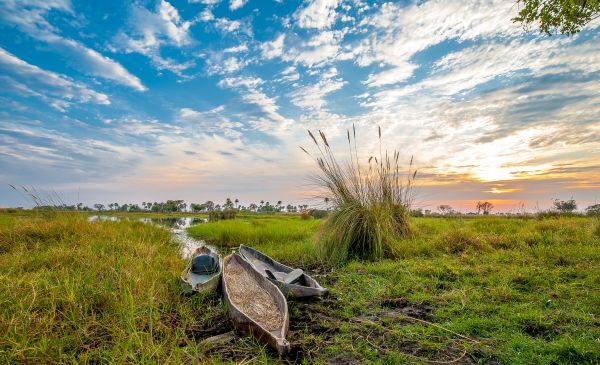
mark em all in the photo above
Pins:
pixel 207 99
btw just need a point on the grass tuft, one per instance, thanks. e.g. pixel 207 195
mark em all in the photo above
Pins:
pixel 370 202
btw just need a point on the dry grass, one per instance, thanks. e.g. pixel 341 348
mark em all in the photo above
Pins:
pixel 370 201
pixel 251 298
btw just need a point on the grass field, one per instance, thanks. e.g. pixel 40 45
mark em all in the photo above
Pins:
pixel 486 290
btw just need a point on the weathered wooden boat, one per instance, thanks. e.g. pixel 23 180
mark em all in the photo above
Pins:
pixel 256 306
pixel 203 273
pixel 292 282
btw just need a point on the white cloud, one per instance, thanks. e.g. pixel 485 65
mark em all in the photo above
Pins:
pixel 392 76
pixel 149 31
pixel 317 50
pixel 319 14
pixel 211 121
pixel 273 48
pixel 205 2
pixel 227 25
pixel 236 4
pixel 464 70
pixel 398 32
pixel 290 74
pixel 58 90
pixel 236 82
pixel 225 65
pixel 30 18
pixel 312 97
pixel 252 93
pixel 237 49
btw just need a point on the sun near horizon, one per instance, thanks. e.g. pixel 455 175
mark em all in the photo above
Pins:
pixel 204 100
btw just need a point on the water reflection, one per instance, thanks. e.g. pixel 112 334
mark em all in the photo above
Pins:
pixel 177 226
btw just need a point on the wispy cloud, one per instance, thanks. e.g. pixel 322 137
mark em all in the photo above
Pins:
pixel 31 18
pixel 58 90
pixel 148 31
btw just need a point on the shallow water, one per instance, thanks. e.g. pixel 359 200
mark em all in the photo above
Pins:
pixel 177 226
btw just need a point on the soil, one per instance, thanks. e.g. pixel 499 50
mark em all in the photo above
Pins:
pixel 315 323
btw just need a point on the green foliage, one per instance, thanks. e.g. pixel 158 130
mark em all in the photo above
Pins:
pixel 226 214
pixel 564 16
pixel 370 205
pixel 318 213
pixel 593 210
pixel 565 206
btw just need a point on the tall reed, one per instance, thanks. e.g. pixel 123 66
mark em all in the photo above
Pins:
pixel 370 201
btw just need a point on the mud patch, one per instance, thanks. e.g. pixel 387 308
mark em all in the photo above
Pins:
pixel 313 324
pixel 538 330
pixel 213 326
pixel 344 360
pixel 401 306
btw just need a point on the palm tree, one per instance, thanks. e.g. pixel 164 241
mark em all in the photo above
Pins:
pixel 237 201
pixel 326 203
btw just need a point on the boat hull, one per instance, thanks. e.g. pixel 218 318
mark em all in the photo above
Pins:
pixel 250 326
pixel 194 283
pixel 309 287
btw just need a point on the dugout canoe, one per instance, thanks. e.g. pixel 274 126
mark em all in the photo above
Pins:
pixel 197 279
pixel 255 305
pixel 292 282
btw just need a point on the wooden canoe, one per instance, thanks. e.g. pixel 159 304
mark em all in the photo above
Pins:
pixel 192 282
pixel 255 305
pixel 276 272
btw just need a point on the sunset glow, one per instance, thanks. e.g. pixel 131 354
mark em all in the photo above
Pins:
pixel 204 100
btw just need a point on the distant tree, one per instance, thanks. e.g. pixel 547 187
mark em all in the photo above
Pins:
pixel 326 203
pixel 485 207
pixel 228 204
pixel 445 209
pixel 593 209
pixel 196 208
pixel 416 212
pixel 565 206
pixel 553 16
pixel 237 202
pixel 134 208
pixel 253 207
pixel 99 207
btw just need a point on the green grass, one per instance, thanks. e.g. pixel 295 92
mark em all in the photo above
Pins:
pixel 269 233
pixel 73 291
pixel 526 290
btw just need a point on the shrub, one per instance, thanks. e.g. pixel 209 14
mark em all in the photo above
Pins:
pixel 370 205
pixel 318 213
pixel 593 210
pixel 217 215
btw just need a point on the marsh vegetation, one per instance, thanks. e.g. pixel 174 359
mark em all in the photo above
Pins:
pixel 480 290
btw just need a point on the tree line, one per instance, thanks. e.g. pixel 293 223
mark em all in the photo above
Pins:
pixel 172 206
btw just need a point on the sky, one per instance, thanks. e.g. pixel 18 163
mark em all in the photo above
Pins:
pixel 201 100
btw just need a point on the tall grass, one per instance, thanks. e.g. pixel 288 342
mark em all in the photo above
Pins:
pixel 370 202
